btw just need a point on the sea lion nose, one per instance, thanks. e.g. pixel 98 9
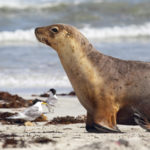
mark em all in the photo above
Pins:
pixel 38 31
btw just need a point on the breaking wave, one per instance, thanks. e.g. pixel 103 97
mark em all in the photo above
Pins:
pixel 33 80
pixel 131 31
pixel 17 36
pixel 116 32
pixel 38 4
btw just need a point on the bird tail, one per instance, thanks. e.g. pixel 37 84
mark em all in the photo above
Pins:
pixel 14 116
pixel 141 120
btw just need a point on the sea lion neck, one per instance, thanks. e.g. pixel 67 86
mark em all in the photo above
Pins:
pixel 76 48
pixel 76 58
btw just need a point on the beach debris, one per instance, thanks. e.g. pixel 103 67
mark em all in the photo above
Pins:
pixel 44 140
pixel 67 120
pixel 2 136
pixel 72 93
pixel 13 143
pixel 8 100
pixel 10 143
pixel 44 95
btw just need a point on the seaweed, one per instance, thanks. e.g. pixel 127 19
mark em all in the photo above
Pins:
pixel 10 143
pixel 67 120
pixel 72 93
pixel 13 101
pixel 44 140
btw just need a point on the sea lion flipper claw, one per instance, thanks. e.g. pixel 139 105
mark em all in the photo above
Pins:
pixel 103 129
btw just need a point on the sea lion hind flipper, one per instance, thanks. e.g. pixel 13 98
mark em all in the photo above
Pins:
pixel 102 129
pixel 141 120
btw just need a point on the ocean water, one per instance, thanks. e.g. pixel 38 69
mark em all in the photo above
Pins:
pixel 119 28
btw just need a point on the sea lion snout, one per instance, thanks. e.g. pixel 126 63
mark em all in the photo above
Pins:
pixel 42 36
pixel 37 31
pixel 39 34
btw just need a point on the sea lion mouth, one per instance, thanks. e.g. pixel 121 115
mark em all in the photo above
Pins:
pixel 40 38
pixel 43 40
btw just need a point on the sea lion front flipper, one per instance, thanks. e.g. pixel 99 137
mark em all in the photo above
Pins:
pixel 104 118
pixel 96 128
pixel 89 123
pixel 102 121
pixel 141 120
pixel 103 129
pixel 91 129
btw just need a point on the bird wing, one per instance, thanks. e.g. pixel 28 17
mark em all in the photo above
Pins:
pixel 32 112
pixel 51 101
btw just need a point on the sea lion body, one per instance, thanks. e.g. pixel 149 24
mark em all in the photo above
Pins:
pixel 107 87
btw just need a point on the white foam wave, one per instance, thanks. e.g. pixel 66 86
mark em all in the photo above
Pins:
pixel 17 4
pixel 38 4
pixel 116 32
pixel 131 31
pixel 18 36
pixel 33 80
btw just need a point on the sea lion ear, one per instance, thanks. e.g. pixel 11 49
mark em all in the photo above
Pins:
pixel 54 29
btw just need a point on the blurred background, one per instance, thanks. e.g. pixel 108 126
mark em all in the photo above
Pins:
pixel 120 28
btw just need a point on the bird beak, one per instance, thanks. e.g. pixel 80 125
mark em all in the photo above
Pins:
pixel 44 103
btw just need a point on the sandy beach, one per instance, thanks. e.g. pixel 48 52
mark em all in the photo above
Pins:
pixel 71 136
pixel 117 28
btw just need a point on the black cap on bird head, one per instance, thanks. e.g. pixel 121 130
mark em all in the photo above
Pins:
pixel 53 91
pixel 35 101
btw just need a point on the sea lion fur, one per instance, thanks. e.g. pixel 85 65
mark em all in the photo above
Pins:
pixel 107 87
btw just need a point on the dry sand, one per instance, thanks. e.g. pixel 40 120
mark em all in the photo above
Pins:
pixel 72 136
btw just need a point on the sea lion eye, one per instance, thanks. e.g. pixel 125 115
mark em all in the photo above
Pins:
pixel 54 29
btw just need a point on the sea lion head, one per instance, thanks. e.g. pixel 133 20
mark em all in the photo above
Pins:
pixel 52 35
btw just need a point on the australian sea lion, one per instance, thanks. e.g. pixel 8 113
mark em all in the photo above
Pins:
pixel 107 87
